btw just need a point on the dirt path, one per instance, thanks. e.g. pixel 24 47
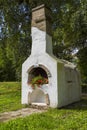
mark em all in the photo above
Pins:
pixel 6 116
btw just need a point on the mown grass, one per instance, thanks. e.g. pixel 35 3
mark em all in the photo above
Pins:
pixel 72 117
pixel 10 96
pixel 53 119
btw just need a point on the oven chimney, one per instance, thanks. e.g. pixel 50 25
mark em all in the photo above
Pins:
pixel 63 79
pixel 41 30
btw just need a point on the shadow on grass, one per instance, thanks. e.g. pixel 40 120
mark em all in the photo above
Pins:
pixel 80 105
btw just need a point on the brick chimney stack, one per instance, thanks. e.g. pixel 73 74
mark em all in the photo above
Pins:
pixel 42 19
pixel 41 30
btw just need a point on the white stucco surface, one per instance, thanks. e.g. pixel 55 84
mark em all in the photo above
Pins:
pixel 41 42
pixel 64 82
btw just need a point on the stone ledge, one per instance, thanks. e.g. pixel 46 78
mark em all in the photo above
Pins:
pixel 39 7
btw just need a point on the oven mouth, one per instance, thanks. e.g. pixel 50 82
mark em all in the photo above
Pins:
pixel 38 76
pixel 38 97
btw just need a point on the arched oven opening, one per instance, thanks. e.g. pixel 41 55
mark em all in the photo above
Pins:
pixel 37 78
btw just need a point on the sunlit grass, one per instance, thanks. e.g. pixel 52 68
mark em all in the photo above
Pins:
pixel 53 119
pixel 72 117
pixel 10 96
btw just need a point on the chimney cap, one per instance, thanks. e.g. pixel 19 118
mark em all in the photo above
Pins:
pixel 39 7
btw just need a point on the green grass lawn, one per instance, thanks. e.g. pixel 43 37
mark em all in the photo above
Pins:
pixel 72 117
pixel 10 96
pixel 53 119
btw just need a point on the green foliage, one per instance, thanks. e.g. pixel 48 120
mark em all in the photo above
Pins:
pixel 84 87
pixel 69 32
pixel 82 55
pixel 7 71
pixel 38 80
pixel 16 42
pixel 10 96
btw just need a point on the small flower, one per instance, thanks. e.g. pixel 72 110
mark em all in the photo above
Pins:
pixel 38 80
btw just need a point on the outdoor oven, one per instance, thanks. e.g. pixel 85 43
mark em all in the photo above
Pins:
pixel 47 80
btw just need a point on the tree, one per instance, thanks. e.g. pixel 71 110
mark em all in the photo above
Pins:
pixel 82 63
pixel 69 29
pixel 16 40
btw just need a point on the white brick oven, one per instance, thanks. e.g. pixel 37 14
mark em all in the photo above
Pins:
pixel 63 79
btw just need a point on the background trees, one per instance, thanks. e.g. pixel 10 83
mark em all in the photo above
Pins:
pixel 16 41
pixel 69 33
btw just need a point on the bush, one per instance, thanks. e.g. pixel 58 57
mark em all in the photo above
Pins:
pixel 84 88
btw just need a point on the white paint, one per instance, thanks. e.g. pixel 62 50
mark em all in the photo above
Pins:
pixel 41 42
pixel 64 83
pixel 39 104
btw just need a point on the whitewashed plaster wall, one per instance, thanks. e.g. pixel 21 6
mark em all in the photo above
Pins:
pixel 41 42
pixel 51 65
pixel 60 93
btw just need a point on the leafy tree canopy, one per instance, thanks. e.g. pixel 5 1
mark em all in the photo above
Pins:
pixel 69 32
